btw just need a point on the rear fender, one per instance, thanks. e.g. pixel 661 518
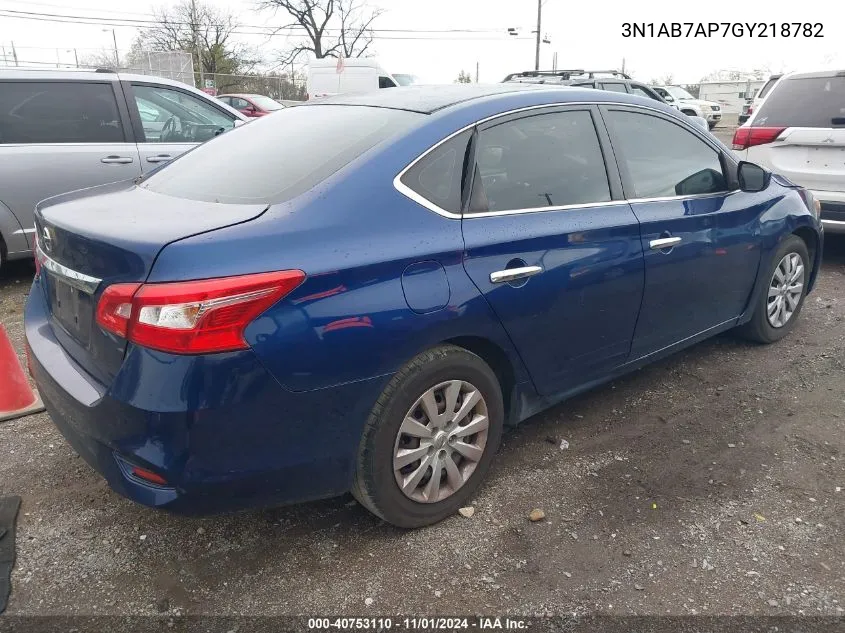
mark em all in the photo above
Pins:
pixel 14 235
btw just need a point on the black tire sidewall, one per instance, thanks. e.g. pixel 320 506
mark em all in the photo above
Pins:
pixel 379 478
pixel 792 244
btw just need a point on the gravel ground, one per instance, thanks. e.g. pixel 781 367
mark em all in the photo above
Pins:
pixel 708 483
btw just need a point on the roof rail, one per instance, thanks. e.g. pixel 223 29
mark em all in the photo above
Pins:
pixel 105 70
pixel 567 74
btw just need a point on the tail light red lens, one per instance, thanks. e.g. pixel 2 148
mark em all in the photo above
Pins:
pixel 192 317
pixel 746 137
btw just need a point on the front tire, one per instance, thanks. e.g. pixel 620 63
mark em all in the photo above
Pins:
pixel 430 438
pixel 781 301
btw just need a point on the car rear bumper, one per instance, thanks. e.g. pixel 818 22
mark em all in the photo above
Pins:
pixel 832 210
pixel 219 428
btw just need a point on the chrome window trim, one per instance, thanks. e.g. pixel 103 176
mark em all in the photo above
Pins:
pixel 78 280
pixel 413 195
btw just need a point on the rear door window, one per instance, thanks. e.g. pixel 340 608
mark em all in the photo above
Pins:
pixel 59 112
pixel 276 158
pixel 805 101
pixel 540 161
pixel 386 82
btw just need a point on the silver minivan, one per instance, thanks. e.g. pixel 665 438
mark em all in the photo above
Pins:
pixel 63 130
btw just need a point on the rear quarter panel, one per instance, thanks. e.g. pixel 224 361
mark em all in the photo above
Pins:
pixel 354 236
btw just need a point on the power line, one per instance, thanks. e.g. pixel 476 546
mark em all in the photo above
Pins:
pixel 138 23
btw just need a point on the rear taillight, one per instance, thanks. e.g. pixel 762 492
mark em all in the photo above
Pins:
pixel 746 137
pixel 192 317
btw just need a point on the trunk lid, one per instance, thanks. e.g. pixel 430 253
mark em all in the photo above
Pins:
pixel 88 242
pixel 811 157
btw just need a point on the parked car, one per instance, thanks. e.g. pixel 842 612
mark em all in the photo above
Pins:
pixel 755 102
pixel 689 105
pixel 251 105
pixel 799 131
pixel 278 316
pixel 66 130
pixel 330 76
pixel 612 80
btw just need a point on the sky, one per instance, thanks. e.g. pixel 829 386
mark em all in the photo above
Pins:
pixel 583 34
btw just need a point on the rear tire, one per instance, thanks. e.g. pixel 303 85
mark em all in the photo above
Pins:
pixel 771 322
pixel 422 392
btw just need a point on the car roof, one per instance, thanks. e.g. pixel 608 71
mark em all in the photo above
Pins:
pixel 430 99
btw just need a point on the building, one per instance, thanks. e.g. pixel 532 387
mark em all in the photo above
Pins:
pixel 730 94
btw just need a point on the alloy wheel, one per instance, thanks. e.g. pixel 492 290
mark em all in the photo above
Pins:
pixel 440 442
pixel 785 290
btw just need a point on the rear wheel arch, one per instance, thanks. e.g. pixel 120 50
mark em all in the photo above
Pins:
pixel 497 359
pixel 811 240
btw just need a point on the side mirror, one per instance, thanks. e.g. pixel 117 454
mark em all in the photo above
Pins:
pixel 239 122
pixel 669 98
pixel 752 178
pixel 700 122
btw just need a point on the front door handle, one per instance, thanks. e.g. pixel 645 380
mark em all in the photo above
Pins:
pixel 160 158
pixel 664 243
pixel 512 274
pixel 116 160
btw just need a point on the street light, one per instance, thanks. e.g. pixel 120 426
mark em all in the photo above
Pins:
pixel 116 56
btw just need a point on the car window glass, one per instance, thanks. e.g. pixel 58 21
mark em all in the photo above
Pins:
pixel 613 86
pixel 766 87
pixel 386 82
pixel 276 158
pixel 546 160
pixel 662 158
pixel 58 112
pixel 240 104
pixel 437 176
pixel 179 117
pixel 642 92
pixel 804 102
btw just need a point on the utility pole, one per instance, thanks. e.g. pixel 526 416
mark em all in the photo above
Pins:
pixel 14 54
pixel 623 65
pixel 539 36
pixel 476 71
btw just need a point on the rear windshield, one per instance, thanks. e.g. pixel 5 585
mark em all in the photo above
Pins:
pixel 804 102
pixel 278 157
pixel 768 86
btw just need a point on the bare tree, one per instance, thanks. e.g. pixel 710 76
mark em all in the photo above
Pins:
pixel 332 28
pixel 463 78
pixel 203 31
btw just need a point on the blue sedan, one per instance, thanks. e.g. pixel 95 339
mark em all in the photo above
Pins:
pixel 359 294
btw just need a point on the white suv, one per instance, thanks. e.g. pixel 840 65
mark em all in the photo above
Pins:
pixel 799 132
pixel 679 98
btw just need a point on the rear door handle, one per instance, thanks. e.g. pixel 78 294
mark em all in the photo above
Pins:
pixel 160 158
pixel 512 274
pixel 116 160
pixel 665 242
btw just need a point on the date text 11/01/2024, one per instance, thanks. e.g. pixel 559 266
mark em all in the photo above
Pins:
pixel 722 29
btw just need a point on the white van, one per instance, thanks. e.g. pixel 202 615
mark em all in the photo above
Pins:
pixel 331 76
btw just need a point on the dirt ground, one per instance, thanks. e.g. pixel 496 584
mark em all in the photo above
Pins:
pixel 709 483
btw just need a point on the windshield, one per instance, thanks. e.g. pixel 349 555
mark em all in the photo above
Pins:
pixel 406 80
pixel 678 92
pixel 266 103
pixel 279 157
